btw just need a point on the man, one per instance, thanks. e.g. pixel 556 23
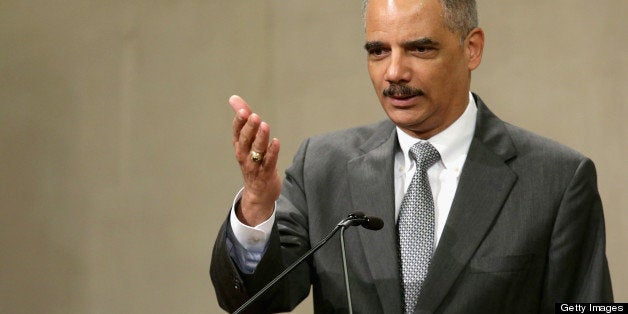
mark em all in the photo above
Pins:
pixel 497 221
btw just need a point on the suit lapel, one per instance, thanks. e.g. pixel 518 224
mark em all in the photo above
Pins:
pixel 484 186
pixel 372 192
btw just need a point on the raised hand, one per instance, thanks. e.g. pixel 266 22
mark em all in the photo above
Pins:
pixel 257 156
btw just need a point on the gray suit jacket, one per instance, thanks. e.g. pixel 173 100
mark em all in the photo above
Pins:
pixel 525 230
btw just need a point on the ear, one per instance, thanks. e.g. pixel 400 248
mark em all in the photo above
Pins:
pixel 474 45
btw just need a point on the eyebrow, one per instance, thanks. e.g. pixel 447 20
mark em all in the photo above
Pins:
pixel 421 42
pixel 370 45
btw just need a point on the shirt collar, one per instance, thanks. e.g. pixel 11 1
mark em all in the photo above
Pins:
pixel 452 143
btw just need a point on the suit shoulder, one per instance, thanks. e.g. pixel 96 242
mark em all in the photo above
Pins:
pixel 526 145
pixel 322 157
pixel 532 145
pixel 352 138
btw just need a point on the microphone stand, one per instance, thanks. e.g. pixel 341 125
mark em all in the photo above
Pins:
pixel 353 219
pixel 344 267
pixel 289 269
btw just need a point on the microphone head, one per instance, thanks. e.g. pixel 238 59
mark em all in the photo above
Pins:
pixel 354 219
pixel 356 215
pixel 360 219
pixel 373 223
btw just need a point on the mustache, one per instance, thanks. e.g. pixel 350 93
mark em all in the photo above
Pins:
pixel 402 91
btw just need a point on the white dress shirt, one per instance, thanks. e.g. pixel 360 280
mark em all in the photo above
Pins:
pixel 247 244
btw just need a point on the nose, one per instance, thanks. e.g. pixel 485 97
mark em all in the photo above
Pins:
pixel 397 70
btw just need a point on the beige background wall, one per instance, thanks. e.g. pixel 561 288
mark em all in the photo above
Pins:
pixel 116 166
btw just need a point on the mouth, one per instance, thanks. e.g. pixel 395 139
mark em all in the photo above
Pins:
pixel 403 97
pixel 403 102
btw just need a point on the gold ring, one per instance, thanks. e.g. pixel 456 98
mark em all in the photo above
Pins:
pixel 255 156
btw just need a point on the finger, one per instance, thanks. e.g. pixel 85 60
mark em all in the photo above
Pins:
pixel 243 111
pixel 238 122
pixel 247 136
pixel 261 138
pixel 237 103
pixel 272 155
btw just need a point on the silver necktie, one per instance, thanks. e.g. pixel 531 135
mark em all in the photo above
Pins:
pixel 416 224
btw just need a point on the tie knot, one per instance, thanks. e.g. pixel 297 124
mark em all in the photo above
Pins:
pixel 424 154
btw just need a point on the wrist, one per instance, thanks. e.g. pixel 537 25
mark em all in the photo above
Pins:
pixel 252 213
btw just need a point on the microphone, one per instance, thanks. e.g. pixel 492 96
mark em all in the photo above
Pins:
pixel 359 219
pixel 354 219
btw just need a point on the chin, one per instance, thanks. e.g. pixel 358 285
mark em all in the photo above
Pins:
pixel 405 120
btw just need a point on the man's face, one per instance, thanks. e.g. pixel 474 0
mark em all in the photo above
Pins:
pixel 420 71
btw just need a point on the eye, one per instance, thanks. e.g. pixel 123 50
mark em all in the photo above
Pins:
pixel 378 53
pixel 376 50
pixel 422 49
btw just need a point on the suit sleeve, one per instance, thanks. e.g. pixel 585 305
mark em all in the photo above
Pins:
pixel 577 268
pixel 288 241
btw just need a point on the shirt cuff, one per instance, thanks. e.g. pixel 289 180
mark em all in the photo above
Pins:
pixel 251 238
